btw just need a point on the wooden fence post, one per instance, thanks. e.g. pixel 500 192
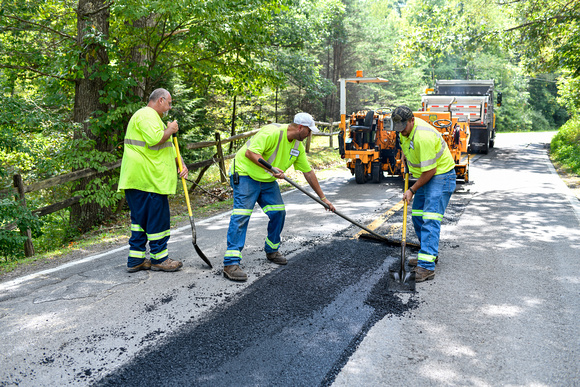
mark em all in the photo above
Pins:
pixel 28 246
pixel 330 144
pixel 220 155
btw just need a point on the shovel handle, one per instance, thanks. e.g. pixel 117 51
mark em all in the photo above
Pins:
pixel 182 179
pixel 269 167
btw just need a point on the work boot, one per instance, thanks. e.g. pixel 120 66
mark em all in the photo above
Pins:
pixel 422 274
pixel 413 261
pixel 234 273
pixel 167 265
pixel 146 265
pixel 277 258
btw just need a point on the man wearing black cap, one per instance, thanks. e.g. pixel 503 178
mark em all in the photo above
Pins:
pixel 431 163
pixel 280 145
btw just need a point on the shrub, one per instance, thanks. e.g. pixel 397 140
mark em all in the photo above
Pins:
pixel 565 146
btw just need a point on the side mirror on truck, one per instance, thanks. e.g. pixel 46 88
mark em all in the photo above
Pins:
pixel 499 98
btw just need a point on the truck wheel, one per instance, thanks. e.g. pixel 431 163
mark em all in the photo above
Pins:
pixel 360 172
pixel 376 172
pixel 485 148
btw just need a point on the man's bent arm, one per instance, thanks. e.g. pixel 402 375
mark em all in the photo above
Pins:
pixel 313 182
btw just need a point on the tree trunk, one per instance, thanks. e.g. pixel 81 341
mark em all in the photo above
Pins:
pixel 92 18
pixel 140 55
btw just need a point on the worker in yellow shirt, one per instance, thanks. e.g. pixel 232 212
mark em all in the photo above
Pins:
pixel 430 162
pixel 281 146
pixel 148 176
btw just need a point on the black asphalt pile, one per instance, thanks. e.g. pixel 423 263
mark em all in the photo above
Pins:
pixel 295 326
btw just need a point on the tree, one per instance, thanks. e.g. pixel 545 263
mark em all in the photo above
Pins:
pixel 93 60
pixel 106 77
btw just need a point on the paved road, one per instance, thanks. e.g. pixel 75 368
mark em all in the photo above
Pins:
pixel 502 309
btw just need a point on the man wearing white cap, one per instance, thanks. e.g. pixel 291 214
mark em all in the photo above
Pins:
pixel 280 145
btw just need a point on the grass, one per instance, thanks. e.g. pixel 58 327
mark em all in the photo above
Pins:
pixel 116 231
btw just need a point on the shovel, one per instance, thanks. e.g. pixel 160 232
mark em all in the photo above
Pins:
pixel 402 281
pixel 378 236
pixel 193 233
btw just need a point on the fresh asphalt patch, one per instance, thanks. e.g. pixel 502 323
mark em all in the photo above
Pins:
pixel 298 325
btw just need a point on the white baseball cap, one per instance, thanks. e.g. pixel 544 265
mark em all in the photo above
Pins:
pixel 306 119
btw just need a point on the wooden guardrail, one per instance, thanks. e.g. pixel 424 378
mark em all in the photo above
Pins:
pixel 20 190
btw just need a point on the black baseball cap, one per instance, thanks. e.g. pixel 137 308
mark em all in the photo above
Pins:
pixel 400 116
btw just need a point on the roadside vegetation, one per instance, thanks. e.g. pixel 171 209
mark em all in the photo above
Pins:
pixel 565 146
pixel 72 73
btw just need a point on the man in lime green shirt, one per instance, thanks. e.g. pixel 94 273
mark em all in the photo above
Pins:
pixel 281 146
pixel 148 175
pixel 431 163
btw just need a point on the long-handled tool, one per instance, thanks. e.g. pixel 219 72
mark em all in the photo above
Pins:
pixel 269 167
pixel 193 232
pixel 402 281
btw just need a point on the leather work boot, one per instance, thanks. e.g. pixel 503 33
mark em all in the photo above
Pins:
pixel 413 261
pixel 146 265
pixel 234 273
pixel 167 265
pixel 277 258
pixel 422 274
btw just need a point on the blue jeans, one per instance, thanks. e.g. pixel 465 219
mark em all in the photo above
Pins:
pixel 150 222
pixel 429 206
pixel 246 194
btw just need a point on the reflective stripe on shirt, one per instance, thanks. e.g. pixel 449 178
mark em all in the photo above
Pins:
pixel 434 160
pixel 143 144
pixel 273 156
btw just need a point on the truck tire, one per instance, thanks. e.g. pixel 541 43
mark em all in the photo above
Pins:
pixel 360 173
pixel 485 148
pixel 376 173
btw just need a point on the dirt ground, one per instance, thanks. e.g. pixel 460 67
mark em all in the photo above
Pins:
pixel 571 180
pixel 200 199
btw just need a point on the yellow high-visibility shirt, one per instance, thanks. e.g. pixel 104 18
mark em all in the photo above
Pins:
pixel 272 143
pixel 147 166
pixel 425 149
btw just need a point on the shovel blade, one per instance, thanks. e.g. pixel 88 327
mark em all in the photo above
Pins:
pixel 202 255
pixel 194 241
pixel 401 281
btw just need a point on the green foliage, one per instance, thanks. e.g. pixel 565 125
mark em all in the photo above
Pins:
pixel 30 140
pixel 546 34
pixel 565 146
pixel 11 242
pixel 569 92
